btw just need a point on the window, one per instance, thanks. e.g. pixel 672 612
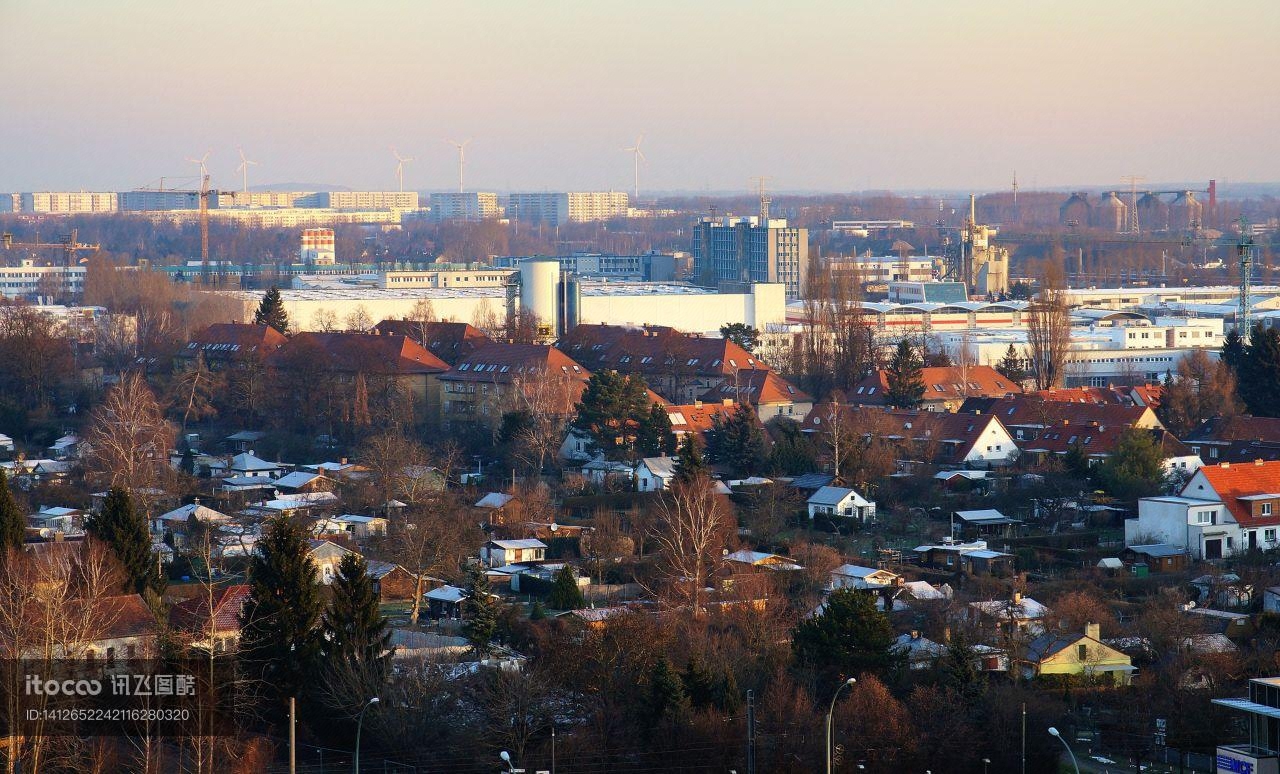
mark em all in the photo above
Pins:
pixel 1269 535
pixel 1082 653
pixel 1204 517
pixel 1266 509
pixel 1213 452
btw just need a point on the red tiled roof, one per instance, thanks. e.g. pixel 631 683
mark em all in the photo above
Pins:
pixel 223 341
pixel 1240 428
pixel 370 353
pixel 656 350
pixel 954 434
pixel 500 363
pixel 192 615
pixel 449 341
pixel 116 617
pixel 1231 482
pixel 940 384
pixel 1031 411
pixel 757 388
pixel 699 417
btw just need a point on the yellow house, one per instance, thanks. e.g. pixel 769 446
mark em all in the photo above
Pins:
pixel 1080 655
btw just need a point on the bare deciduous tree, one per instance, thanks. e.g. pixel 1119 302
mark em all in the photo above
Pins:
pixel 129 438
pixel 1049 329
pixel 690 532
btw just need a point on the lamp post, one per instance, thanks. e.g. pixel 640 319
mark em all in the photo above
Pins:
pixel 1076 764
pixel 355 764
pixel 831 709
pixel 506 758
pixel 985 763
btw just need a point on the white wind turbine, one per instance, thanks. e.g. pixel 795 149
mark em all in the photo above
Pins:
pixel 400 162
pixel 243 169
pixel 462 157
pixel 638 156
pixel 204 170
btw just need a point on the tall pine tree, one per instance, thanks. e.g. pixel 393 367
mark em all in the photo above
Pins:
pixel 271 311
pixel 1011 366
pixel 613 409
pixel 655 438
pixel 565 594
pixel 13 527
pixel 124 530
pixel 737 442
pixel 479 612
pixel 356 641
pixel 1259 375
pixel 905 380
pixel 279 636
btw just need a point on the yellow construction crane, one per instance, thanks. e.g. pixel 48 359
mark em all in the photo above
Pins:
pixel 203 195
pixel 67 243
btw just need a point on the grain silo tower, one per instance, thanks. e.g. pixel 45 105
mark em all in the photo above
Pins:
pixel 539 291
pixel 1153 213
pixel 1186 213
pixel 1111 213
pixel 1076 210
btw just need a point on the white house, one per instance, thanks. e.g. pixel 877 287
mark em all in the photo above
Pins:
pixel 851 576
pixel 498 553
pixel 356 526
pixel 1222 510
pixel 653 474
pixel 840 501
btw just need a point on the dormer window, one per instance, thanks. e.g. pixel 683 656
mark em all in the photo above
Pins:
pixel 1266 509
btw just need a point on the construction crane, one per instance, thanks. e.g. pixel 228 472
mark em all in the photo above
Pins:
pixel 203 196
pixel 67 243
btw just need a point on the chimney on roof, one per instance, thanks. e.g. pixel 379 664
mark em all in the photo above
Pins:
pixel 1017 597
pixel 915 634
pixel 727 402
pixel 1093 631
pixel 697 404
pixel 1257 461
pixel 1224 464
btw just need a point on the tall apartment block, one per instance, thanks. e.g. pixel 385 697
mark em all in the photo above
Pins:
pixel 65 202
pixel 557 209
pixel 470 206
pixel 749 249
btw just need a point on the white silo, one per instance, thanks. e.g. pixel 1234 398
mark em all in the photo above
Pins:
pixel 539 278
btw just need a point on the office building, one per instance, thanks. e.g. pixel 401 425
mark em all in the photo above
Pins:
pixel 470 206
pixel 66 202
pixel 557 209
pixel 883 269
pixel 27 280
pixel 750 249
pixel 1261 753
pixel 317 247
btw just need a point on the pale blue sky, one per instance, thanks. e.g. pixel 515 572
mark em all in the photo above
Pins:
pixel 109 94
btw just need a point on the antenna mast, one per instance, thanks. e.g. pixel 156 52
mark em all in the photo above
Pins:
pixel 1245 250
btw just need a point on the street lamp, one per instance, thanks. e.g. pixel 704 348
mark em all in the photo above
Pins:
pixel 355 766
pixel 1054 732
pixel 831 709
pixel 985 763
pixel 506 758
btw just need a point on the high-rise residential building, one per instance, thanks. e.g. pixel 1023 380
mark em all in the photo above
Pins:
pixel 10 202
pixel 360 200
pixel 317 247
pixel 556 209
pixel 258 198
pixel 464 205
pixel 749 249
pixel 66 202
pixel 159 201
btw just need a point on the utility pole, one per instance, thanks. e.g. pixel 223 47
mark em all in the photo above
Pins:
pixel 293 737
pixel 751 732
pixel 1024 737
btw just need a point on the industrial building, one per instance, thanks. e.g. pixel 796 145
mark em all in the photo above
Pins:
pixel 751 249
pixel 469 206
pixel 883 269
pixel 557 209
pixel 558 301
pixel 317 247
pixel 27 280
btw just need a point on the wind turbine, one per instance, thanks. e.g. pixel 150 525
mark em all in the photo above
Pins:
pixel 639 157
pixel 462 157
pixel 243 169
pixel 204 170
pixel 400 162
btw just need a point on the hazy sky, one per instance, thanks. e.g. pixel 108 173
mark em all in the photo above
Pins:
pixel 838 96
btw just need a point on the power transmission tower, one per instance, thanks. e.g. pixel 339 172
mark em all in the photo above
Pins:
pixel 1131 225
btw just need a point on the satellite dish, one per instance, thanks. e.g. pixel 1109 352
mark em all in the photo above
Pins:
pixel 555 527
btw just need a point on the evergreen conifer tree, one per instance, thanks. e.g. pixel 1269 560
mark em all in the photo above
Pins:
pixel 667 699
pixel 905 379
pixel 13 526
pixel 1259 379
pixel 1233 350
pixel 689 463
pixel 271 311
pixel 479 611
pixel 565 594
pixel 124 530
pixel 654 438
pixel 1011 366
pixel 849 636
pixel 356 639
pixel 737 442
pixel 279 634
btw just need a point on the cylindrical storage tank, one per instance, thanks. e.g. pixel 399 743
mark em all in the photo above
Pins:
pixel 1153 214
pixel 539 280
pixel 571 308
pixel 1075 210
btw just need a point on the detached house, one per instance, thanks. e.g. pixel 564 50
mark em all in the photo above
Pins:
pixel 841 501
pixel 1078 655
pixel 1222 510
pixel 499 553
pixel 945 388
pixel 766 392
pixel 928 437
pixel 211 624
